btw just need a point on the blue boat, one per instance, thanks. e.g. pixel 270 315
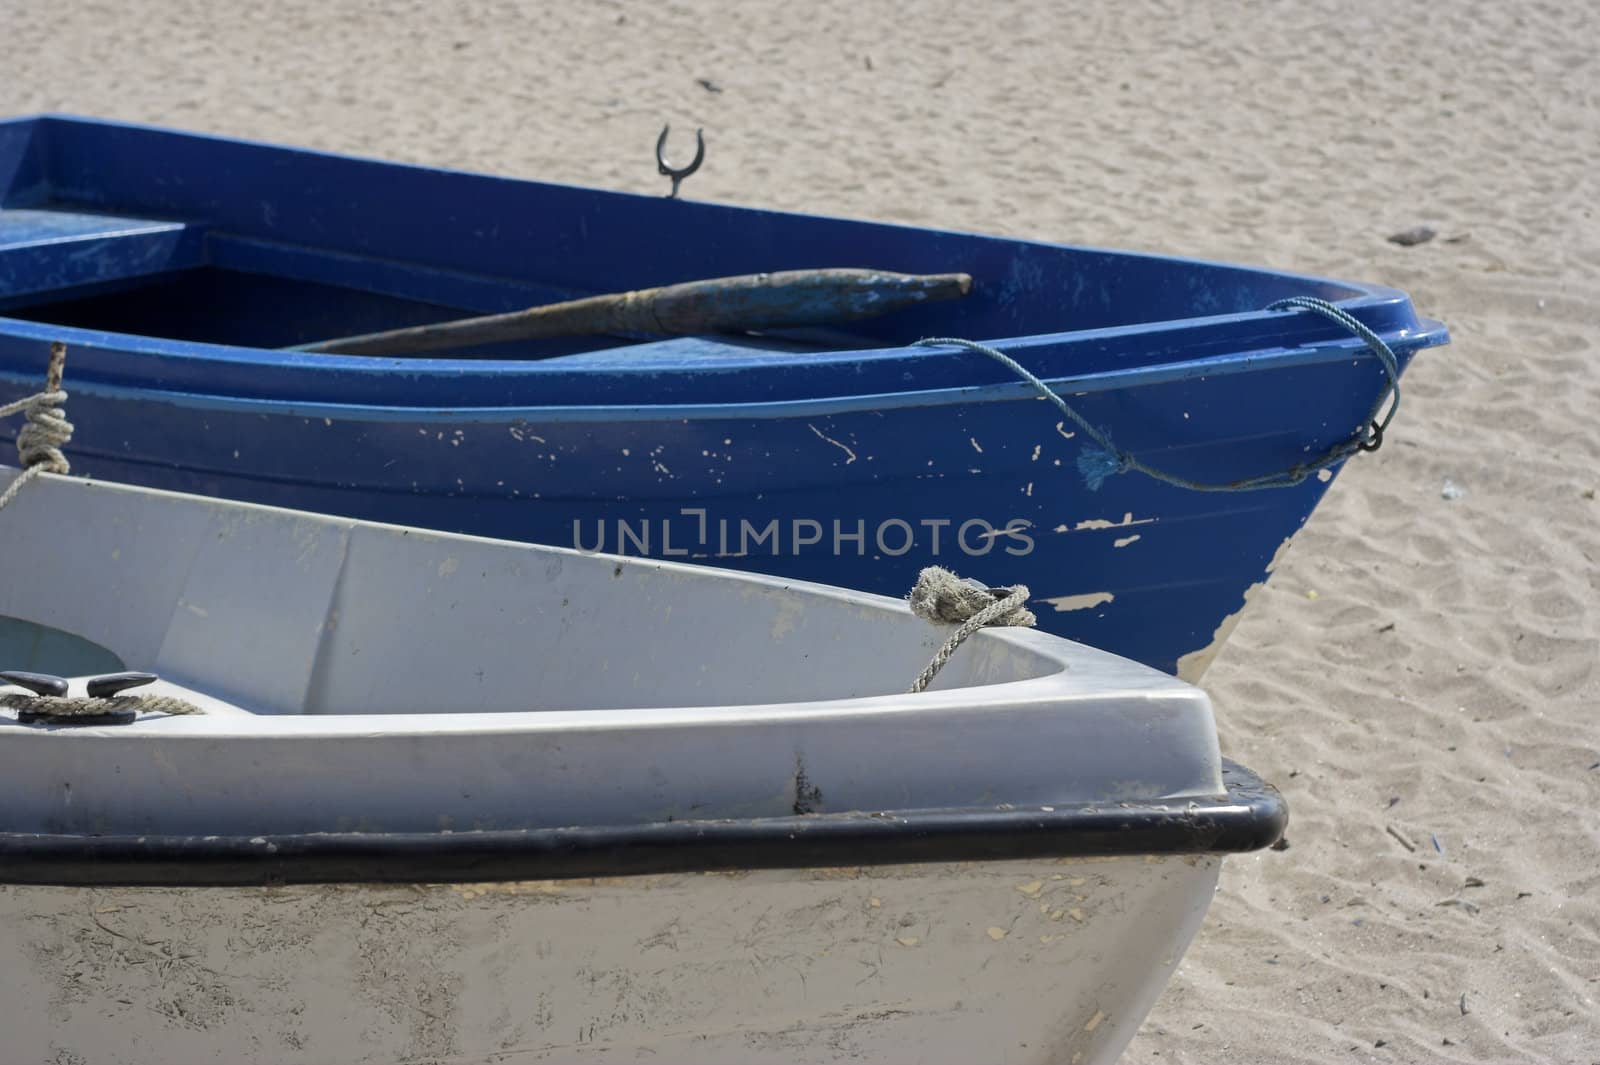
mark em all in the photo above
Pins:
pixel 178 268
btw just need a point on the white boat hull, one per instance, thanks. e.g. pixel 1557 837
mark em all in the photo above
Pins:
pixel 1019 961
pixel 430 798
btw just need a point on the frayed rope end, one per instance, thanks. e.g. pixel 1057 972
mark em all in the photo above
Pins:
pixel 1096 464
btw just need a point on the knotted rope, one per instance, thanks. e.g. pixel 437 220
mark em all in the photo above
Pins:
pixel 40 440
pixel 1105 459
pixel 943 598
pixel 39 444
pixel 66 707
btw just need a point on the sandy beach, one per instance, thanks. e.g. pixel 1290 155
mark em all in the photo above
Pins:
pixel 1419 677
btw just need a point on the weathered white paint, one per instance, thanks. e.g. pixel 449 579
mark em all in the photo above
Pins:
pixel 888 964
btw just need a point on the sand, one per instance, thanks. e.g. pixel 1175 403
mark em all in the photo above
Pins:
pixel 1418 662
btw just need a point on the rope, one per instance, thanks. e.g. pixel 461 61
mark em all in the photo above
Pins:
pixel 942 597
pixel 67 707
pixel 39 444
pixel 46 431
pixel 1105 459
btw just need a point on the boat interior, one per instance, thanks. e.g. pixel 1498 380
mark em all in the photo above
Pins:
pixel 391 678
pixel 202 240
pixel 283 612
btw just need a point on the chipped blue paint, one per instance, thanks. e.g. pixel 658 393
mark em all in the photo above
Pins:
pixel 172 264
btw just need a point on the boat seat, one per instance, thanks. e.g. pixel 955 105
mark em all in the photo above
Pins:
pixel 69 252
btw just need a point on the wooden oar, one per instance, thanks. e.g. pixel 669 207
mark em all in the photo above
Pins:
pixel 788 299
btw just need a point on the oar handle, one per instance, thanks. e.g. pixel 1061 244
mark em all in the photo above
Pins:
pixel 787 299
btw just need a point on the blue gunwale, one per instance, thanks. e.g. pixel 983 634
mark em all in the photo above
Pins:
pixel 80 341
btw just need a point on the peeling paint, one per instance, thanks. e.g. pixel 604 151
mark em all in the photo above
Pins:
pixel 1124 541
pixel 1128 521
pixel 1192 666
pixel 1086 601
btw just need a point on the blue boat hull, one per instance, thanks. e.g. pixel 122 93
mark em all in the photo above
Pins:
pixel 852 465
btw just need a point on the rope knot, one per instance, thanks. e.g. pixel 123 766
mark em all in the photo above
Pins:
pixel 46 431
pixel 944 598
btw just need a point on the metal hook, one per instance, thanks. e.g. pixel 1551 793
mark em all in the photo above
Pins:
pixel 677 174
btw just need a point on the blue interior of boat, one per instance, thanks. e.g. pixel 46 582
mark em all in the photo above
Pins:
pixel 484 239
pixel 211 245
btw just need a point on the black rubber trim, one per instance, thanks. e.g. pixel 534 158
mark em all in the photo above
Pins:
pixel 1252 815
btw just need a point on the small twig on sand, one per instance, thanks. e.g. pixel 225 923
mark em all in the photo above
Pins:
pixel 1406 843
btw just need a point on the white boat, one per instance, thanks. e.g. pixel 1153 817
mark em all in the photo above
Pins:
pixel 455 799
